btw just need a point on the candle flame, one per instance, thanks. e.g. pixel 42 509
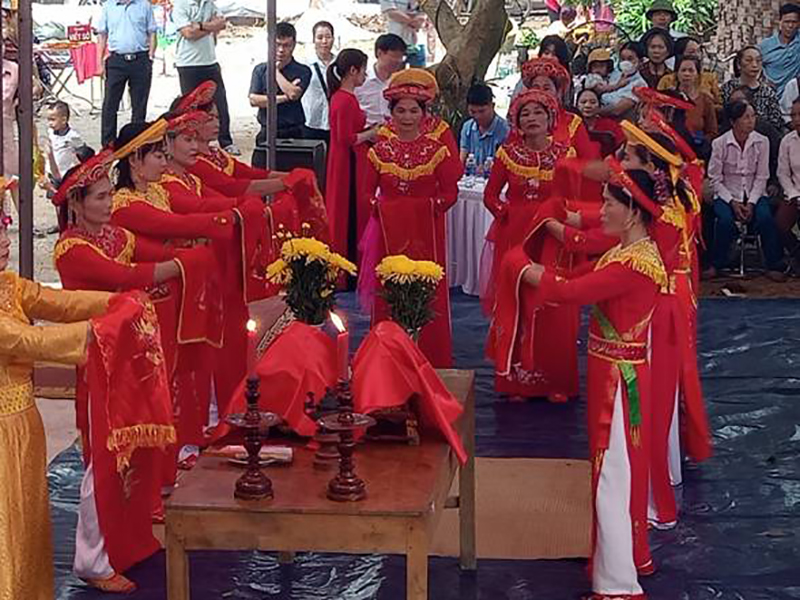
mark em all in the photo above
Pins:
pixel 337 322
pixel 251 326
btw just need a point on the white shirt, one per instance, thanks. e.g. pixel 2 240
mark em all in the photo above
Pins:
pixel 194 53
pixel 370 97
pixel 738 174
pixel 789 165
pixel 315 99
pixel 64 149
pixel 410 7
pixel 790 94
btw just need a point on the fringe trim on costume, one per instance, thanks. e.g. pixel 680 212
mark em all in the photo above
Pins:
pixel 672 214
pixel 413 173
pixel 642 257
pixel 156 196
pixel 528 172
pixel 189 181
pixel 125 441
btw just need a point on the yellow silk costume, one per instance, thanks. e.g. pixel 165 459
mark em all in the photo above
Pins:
pixel 26 563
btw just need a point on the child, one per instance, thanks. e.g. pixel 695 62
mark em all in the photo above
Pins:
pixel 63 144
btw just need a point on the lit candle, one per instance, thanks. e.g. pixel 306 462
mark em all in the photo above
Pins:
pixel 252 326
pixel 342 347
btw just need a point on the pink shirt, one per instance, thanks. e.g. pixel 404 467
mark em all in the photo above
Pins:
pixel 739 174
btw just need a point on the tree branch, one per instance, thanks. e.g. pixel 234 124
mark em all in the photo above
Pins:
pixel 444 20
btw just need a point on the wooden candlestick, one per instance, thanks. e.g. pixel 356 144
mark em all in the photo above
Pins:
pixel 327 455
pixel 253 484
pixel 346 486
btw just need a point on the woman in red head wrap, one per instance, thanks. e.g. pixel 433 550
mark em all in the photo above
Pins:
pixel 413 180
pixel 545 361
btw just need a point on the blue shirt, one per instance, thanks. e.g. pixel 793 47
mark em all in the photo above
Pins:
pixel 781 61
pixel 483 145
pixel 128 25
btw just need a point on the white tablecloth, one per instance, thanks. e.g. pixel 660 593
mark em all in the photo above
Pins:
pixel 467 225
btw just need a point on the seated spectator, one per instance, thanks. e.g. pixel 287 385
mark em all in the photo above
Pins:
pixel 763 127
pixel 485 131
pixel 620 101
pixel 781 50
pixel 293 80
pixel 701 120
pixel 390 56
pixel 662 15
pixel 709 82
pixel 659 47
pixel 748 71
pixel 789 177
pixel 606 132
pixel 739 172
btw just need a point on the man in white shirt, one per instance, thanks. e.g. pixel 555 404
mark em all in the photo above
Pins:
pixel 405 19
pixel 739 171
pixel 390 53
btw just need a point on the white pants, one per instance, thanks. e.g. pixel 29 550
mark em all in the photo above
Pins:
pixel 613 568
pixel 675 475
pixel 91 558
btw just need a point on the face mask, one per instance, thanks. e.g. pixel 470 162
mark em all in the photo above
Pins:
pixel 626 67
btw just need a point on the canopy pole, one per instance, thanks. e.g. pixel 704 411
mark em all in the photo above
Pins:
pixel 25 112
pixel 272 84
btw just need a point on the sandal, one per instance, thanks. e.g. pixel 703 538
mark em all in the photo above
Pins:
pixel 114 584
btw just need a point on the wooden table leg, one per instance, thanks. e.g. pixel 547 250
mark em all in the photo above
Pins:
pixel 466 491
pixel 417 562
pixel 177 567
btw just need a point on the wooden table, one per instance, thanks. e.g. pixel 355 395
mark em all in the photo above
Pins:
pixel 408 488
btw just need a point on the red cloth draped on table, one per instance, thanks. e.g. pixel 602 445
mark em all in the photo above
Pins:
pixel 389 369
pixel 348 210
pixel 302 359
pixel 418 183
pixel 131 418
pixel 85 61
pixel 532 179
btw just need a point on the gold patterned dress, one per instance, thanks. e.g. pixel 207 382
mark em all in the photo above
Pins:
pixel 26 564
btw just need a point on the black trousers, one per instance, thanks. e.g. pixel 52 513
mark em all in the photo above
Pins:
pixel 137 74
pixel 191 77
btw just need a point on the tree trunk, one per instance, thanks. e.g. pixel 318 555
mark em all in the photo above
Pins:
pixel 744 22
pixel 470 48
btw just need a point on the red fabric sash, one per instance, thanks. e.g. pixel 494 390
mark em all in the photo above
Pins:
pixel 302 184
pixel 201 315
pixel 256 241
pixel 128 424
pixel 301 360
pixel 389 369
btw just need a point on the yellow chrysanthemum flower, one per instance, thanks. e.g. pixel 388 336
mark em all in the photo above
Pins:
pixel 340 263
pixel 402 270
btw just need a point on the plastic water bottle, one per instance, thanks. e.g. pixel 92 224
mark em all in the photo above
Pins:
pixel 470 168
pixel 487 166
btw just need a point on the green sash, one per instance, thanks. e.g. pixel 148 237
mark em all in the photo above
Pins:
pixel 627 370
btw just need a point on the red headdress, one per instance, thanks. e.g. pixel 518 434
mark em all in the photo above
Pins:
pixel 202 95
pixel 656 119
pixel 188 123
pixel 546 66
pixel 548 101
pixel 417 84
pixel 654 99
pixel 84 175
pixel 621 178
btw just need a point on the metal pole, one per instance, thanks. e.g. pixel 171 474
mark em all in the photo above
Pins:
pixel 25 139
pixel 272 84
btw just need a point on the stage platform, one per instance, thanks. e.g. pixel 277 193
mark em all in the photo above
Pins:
pixel 740 534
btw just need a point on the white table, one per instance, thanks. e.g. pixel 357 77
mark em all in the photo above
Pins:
pixel 468 223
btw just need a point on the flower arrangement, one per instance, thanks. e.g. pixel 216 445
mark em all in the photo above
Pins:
pixel 308 272
pixel 409 287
